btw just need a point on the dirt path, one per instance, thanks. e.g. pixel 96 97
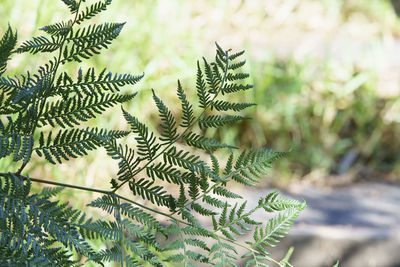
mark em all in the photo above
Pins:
pixel 358 224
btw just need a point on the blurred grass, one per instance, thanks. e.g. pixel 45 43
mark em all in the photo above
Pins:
pixel 319 69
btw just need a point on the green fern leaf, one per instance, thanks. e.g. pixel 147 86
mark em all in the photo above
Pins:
pixel 71 111
pixel 223 218
pixel 72 5
pixel 183 159
pixel 196 256
pixel 237 76
pixel 7 44
pixel 201 210
pixel 72 143
pixel 197 243
pixel 58 29
pixel 202 93
pixel 205 143
pixel 146 190
pixel 88 83
pixel 213 201
pixel 236 65
pixel 40 44
pixel 233 87
pixel 126 156
pixel 218 120
pixel 187 109
pixel 175 245
pixel 166 172
pixel 236 55
pixel 275 228
pixel 221 105
pixel 48 192
pixel 225 192
pixel 147 146
pixel 178 257
pixel 18 144
pixel 275 202
pixel 93 10
pixel 213 78
pixel 90 41
pixel 168 135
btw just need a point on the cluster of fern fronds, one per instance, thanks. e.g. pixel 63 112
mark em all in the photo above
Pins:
pixel 162 168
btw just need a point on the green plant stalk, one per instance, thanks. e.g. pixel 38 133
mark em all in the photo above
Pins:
pixel 285 260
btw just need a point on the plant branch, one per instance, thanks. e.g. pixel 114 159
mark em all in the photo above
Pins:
pixel 184 132
pixel 43 101
pixel 58 183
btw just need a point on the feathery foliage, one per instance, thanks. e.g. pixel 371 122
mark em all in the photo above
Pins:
pixel 161 169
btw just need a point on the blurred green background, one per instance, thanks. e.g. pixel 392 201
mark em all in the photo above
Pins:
pixel 326 76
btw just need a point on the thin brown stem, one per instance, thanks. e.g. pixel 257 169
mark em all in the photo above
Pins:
pixel 58 183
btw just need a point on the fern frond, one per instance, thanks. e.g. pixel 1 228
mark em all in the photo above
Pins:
pixel 147 146
pixel 7 44
pixel 72 5
pixel 104 230
pixel 213 201
pixel 165 172
pixel 141 216
pixel 39 224
pixel 126 156
pixel 183 159
pixel 249 167
pixel 205 143
pixel 147 190
pixel 48 192
pixel 274 229
pixel 109 204
pixel 36 86
pixel 208 121
pixel 221 105
pixel 58 29
pixel 236 65
pixel 168 135
pixel 236 55
pixel 222 191
pixel 18 144
pixel 71 111
pixel 88 83
pixel 11 85
pixel 237 76
pixel 141 233
pixel 90 41
pixel 115 254
pixel 72 143
pixel 223 254
pixel 187 109
pixel 276 202
pixel 202 93
pixel 233 87
pixel 213 78
pixel 92 11
pixel 40 44
pixel 201 210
